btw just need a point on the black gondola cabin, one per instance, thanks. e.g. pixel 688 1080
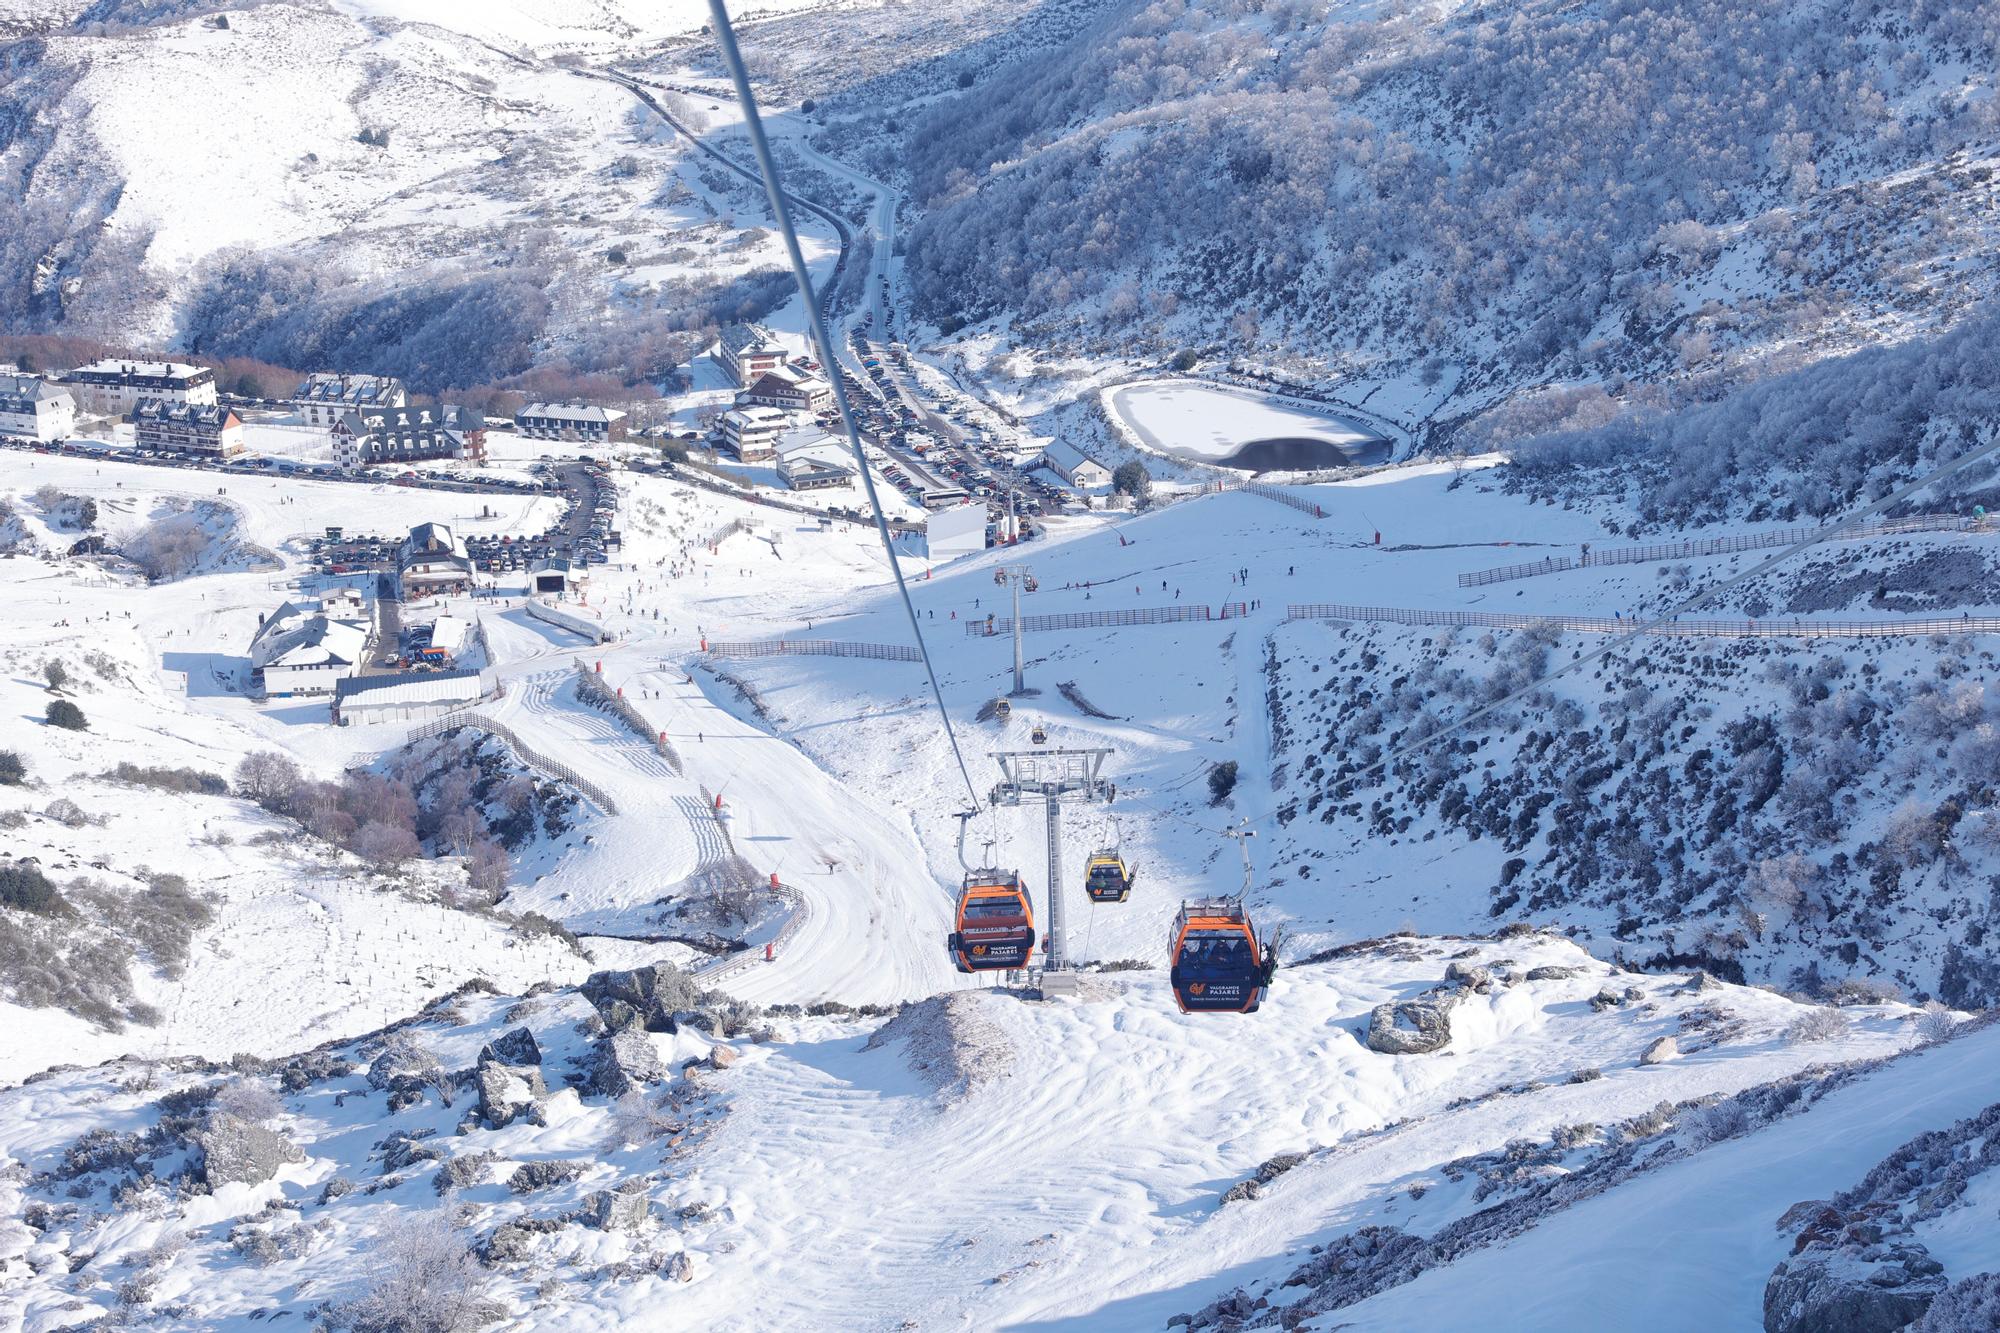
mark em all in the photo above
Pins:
pixel 1215 965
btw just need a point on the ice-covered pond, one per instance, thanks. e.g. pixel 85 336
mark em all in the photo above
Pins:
pixel 1240 428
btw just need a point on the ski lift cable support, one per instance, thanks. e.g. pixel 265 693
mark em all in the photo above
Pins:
pixel 725 38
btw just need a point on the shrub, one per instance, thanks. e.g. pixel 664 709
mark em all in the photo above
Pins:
pixel 1936 1023
pixel 55 673
pixel 12 771
pixel 171 779
pixel 270 779
pixel 248 1100
pixel 1221 781
pixel 1185 360
pixel 426 1281
pixel 1132 479
pixel 1822 1024
pixel 62 713
pixel 67 813
pixel 26 889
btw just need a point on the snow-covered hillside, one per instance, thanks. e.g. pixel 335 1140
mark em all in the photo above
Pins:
pixel 1465 202
pixel 327 185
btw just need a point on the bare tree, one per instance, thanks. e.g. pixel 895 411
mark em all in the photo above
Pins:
pixel 427 1283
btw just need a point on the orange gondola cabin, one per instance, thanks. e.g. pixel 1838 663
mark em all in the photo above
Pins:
pixel 1216 964
pixel 995 923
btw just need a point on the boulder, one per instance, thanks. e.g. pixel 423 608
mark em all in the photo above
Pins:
pixel 1241 1190
pixel 1606 999
pixel 402 1149
pixel 514 1047
pixel 530 1176
pixel 678 1267
pixel 474 1168
pixel 1661 1051
pixel 622 1062
pixel 1277 1166
pixel 508 1092
pixel 514 1242
pixel 1878 1289
pixel 647 997
pixel 626 1209
pixel 1412 1027
pixel 1469 976
pixel 721 1057
pixel 232 1151
pixel 1550 972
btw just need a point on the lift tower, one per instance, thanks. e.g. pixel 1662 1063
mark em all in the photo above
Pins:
pixel 1052 777
pixel 1016 575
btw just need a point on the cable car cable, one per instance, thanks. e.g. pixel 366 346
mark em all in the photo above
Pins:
pixel 1348 786
pixel 725 38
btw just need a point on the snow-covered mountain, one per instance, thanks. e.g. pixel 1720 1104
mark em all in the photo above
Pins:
pixel 1471 200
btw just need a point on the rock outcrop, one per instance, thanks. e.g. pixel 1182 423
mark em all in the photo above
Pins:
pixel 232 1151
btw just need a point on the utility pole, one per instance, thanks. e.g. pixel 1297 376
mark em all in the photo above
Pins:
pixel 1052 777
pixel 1016 575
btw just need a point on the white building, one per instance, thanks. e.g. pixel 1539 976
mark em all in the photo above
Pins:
pixel 811 460
pixel 409 698
pixel 432 559
pixel 1075 467
pixel 325 397
pixel 747 351
pixel 792 390
pixel 113 388
pixel 959 530
pixel 160 425
pixel 308 648
pixel 751 433
pixel 556 574
pixel 34 409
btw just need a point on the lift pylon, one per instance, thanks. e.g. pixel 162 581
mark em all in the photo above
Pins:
pixel 1051 778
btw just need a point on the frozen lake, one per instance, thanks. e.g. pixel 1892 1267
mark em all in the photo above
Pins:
pixel 1240 428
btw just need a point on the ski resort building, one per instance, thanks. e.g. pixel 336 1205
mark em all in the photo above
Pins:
pixel 788 389
pixel 365 436
pixel 165 426
pixel 114 388
pixel 410 697
pixel 432 559
pixel 31 408
pixel 751 433
pixel 326 397
pixel 1075 467
pixel 556 574
pixel 574 422
pixel 813 460
pixel 747 352
pixel 308 647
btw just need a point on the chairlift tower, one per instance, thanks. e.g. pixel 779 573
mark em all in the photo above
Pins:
pixel 1053 777
pixel 1015 576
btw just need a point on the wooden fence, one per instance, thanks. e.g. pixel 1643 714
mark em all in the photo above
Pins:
pixel 593 688
pixel 1734 542
pixel 885 652
pixel 1780 627
pixel 1142 615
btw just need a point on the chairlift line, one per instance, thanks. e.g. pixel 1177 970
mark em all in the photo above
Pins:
pixel 725 40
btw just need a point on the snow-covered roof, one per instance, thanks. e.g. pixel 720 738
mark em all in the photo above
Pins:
pixel 758 416
pixel 740 338
pixel 1067 458
pixel 354 390
pixel 415 687
pixel 300 635
pixel 154 374
pixel 577 412
pixel 208 416
pixel 812 441
pixel 19 393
